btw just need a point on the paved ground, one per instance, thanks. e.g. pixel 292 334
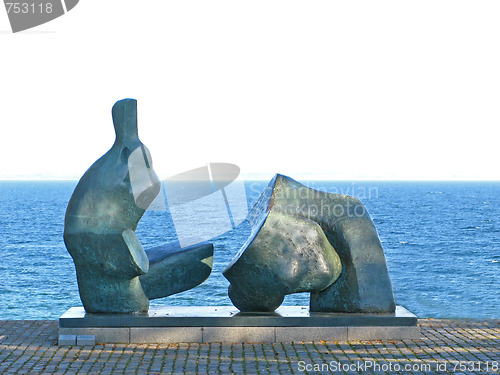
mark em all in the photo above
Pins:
pixel 446 347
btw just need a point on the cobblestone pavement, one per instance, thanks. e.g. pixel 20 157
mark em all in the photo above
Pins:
pixel 446 347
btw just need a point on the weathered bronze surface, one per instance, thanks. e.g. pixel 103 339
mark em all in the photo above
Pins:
pixel 363 285
pixel 101 218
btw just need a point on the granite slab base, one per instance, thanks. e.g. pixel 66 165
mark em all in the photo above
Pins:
pixel 226 324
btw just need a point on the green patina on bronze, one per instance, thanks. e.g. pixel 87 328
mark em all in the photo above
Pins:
pixel 101 218
pixel 286 254
pixel 363 285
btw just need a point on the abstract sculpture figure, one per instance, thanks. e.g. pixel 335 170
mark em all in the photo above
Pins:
pixel 285 254
pixel 363 284
pixel 115 274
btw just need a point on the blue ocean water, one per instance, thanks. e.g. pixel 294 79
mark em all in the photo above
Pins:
pixel 441 240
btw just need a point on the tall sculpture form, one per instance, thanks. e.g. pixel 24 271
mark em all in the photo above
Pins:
pixel 115 274
pixel 297 234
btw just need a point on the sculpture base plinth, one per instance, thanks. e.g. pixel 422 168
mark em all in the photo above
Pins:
pixel 207 324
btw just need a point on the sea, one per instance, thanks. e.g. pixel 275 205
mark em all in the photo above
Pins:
pixel 441 242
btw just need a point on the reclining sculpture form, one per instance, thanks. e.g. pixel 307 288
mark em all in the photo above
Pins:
pixel 115 274
pixel 297 234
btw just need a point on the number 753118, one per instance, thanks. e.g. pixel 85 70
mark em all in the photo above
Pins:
pixel 29 8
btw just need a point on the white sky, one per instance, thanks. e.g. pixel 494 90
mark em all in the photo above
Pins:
pixel 311 89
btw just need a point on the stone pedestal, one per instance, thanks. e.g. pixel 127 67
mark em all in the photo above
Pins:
pixel 207 324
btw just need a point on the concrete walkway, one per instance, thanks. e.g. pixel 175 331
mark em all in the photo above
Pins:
pixel 446 347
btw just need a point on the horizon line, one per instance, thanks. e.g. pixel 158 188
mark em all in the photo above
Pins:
pixel 295 178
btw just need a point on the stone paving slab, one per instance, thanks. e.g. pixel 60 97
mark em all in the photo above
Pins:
pixel 446 347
